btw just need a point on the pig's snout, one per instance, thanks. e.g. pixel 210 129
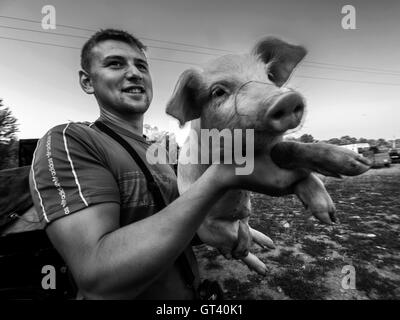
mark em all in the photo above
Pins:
pixel 285 113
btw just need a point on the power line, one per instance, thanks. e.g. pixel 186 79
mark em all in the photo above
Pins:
pixel 44 32
pixel 353 81
pixel 144 38
pixel 347 67
pixel 187 51
pixel 35 21
pixel 69 47
pixel 353 67
pixel 191 63
pixel 193 51
pixel 176 61
pixel 82 37
pixel 38 42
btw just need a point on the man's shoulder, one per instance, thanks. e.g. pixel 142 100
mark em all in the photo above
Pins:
pixel 77 131
pixel 72 127
pixel 71 136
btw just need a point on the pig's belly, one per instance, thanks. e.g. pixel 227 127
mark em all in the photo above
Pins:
pixel 235 204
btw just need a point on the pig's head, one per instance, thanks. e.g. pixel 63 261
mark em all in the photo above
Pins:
pixel 243 91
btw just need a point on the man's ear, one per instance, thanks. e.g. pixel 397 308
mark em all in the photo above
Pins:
pixel 281 56
pixel 86 82
pixel 184 104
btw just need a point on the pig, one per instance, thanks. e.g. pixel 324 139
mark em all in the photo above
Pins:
pixel 247 91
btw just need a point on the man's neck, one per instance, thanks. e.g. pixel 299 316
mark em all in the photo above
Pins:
pixel 133 124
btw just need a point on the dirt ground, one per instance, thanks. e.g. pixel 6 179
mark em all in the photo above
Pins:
pixel 309 257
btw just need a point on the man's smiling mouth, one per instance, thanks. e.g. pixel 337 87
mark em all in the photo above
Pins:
pixel 134 89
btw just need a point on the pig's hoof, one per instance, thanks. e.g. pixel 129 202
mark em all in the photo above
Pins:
pixel 339 160
pixel 336 160
pixel 327 159
pixel 324 213
pixel 322 207
pixel 255 264
pixel 261 239
pixel 312 193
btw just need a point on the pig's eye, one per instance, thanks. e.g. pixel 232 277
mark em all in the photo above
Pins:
pixel 218 92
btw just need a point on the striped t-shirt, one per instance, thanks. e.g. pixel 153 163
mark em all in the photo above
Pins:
pixel 76 165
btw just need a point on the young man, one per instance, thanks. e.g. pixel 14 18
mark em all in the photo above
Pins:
pixel 101 216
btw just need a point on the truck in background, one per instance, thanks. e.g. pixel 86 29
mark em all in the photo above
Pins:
pixel 394 155
pixel 379 157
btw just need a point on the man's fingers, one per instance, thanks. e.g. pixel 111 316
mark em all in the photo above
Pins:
pixel 261 239
pixel 255 264
pixel 244 241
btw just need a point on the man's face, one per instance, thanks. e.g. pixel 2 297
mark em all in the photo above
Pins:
pixel 120 78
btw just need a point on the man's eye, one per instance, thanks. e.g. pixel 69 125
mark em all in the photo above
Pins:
pixel 142 67
pixel 115 64
pixel 218 92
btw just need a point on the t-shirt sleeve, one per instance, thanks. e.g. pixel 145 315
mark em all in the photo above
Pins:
pixel 68 173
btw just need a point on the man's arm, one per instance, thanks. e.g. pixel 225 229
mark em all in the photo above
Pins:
pixel 112 262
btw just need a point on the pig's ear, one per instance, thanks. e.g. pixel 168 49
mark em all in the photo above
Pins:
pixel 184 104
pixel 281 56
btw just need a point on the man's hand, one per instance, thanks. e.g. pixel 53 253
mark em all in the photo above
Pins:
pixel 266 178
pixel 269 179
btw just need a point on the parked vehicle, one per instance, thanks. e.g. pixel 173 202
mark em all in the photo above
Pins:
pixel 380 158
pixel 358 147
pixel 394 155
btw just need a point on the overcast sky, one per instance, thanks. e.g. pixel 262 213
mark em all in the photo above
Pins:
pixel 40 83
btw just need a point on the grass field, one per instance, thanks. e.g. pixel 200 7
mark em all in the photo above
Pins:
pixel 309 257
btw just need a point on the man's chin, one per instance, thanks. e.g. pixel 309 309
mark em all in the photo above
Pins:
pixel 136 107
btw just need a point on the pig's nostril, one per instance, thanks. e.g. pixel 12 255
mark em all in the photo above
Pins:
pixel 278 115
pixel 298 109
pixel 286 113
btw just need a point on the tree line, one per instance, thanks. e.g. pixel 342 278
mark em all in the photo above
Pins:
pixel 8 138
pixel 380 143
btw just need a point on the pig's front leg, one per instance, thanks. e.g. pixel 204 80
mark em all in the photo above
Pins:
pixel 327 159
pixel 312 193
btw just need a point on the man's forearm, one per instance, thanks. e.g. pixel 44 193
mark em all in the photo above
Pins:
pixel 139 252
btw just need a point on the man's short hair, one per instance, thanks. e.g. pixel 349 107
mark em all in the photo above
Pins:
pixel 106 34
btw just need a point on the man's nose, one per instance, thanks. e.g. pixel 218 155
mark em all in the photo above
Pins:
pixel 133 72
